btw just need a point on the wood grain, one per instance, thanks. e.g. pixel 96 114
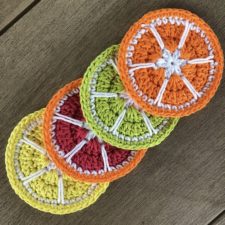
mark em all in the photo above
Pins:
pixel 180 182
pixel 11 9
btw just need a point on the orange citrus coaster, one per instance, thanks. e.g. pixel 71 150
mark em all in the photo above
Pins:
pixel 171 62
pixel 75 149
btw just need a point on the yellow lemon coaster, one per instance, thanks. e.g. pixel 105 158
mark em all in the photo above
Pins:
pixel 35 178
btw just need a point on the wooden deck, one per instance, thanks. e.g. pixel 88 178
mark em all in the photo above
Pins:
pixel 46 44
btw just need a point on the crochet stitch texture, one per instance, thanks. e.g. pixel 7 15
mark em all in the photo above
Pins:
pixel 34 176
pixel 75 148
pixel 170 62
pixel 111 113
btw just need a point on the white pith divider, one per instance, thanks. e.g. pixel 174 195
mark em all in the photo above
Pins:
pixel 44 170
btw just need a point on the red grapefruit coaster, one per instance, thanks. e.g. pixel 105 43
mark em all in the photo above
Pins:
pixel 171 62
pixel 75 149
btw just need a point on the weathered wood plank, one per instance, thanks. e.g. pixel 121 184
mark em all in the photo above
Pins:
pixel 180 182
pixel 10 9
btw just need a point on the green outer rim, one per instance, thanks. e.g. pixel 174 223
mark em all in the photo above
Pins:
pixel 111 139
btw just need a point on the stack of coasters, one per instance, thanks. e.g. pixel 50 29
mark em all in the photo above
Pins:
pixel 97 129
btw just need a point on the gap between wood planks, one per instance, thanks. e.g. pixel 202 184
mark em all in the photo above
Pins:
pixel 218 218
pixel 18 17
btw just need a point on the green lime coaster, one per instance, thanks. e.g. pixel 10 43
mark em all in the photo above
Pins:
pixel 112 114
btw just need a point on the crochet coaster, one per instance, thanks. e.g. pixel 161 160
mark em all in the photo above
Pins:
pixel 75 148
pixel 35 178
pixel 170 62
pixel 111 113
